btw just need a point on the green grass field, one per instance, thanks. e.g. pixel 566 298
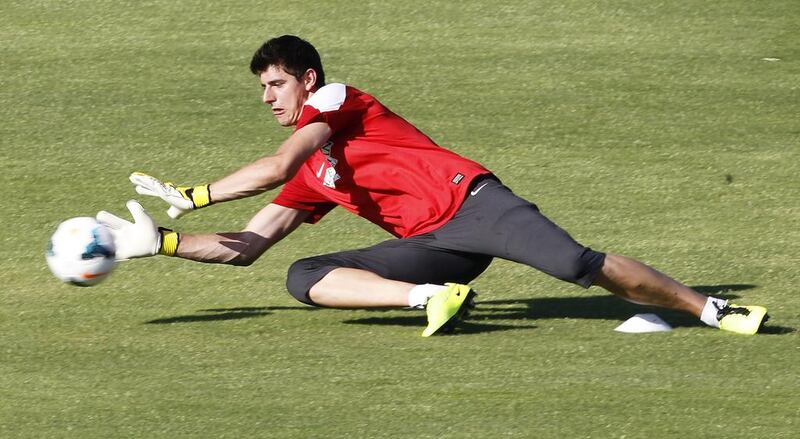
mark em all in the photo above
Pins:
pixel 666 131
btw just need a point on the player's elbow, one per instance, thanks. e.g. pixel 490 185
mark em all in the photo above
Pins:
pixel 243 260
pixel 246 248
pixel 282 175
pixel 276 170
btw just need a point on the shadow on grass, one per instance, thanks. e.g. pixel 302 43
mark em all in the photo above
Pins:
pixel 207 317
pixel 604 307
pixel 262 308
pixel 215 314
pixel 776 330
pixel 465 327
pixel 722 290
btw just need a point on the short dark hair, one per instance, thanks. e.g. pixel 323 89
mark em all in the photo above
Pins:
pixel 293 54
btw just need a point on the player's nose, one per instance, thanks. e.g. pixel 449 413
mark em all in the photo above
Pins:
pixel 268 97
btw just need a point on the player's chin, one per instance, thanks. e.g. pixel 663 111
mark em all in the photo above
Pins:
pixel 285 121
pixel 280 118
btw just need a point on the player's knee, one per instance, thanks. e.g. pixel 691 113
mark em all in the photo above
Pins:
pixel 301 277
pixel 580 268
pixel 569 270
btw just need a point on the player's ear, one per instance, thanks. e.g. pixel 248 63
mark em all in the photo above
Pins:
pixel 310 80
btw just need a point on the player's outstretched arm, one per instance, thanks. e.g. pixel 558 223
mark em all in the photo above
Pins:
pixel 264 230
pixel 272 171
pixel 142 237
pixel 262 175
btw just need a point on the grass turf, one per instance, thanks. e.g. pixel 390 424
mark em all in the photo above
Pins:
pixel 662 131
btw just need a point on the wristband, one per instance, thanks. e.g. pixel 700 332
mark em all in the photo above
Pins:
pixel 200 195
pixel 169 242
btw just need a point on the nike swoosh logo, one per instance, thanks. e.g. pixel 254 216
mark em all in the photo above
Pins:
pixel 475 191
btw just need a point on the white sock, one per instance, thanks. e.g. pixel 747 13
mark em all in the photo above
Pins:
pixel 709 315
pixel 419 295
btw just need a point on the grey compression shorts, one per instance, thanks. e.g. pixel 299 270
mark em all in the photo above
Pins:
pixel 492 222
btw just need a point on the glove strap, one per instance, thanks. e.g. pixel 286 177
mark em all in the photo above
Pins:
pixel 169 242
pixel 200 195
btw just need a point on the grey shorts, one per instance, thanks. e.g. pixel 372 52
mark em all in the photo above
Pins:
pixel 492 222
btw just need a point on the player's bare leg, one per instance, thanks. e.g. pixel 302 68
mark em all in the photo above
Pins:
pixel 639 283
pixel 636 282
pixel 354 288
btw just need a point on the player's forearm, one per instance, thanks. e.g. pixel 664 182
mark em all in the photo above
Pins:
pixel 258 177
pixel 270 225
pixel 235 248
pixel 272 171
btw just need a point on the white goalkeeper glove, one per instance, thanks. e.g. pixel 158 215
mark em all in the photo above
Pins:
pixel 140 238
pixel 181 199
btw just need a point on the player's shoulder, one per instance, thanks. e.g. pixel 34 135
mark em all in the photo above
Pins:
pixel 329 97
pixel 333 97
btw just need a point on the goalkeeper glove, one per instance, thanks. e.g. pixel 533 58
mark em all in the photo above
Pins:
pixel 140 238
pixel 181 199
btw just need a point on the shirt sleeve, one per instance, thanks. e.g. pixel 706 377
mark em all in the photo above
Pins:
pixel 297 195
pixel 335 104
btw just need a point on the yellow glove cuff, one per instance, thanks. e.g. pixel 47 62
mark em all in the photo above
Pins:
pixel 169 242
pixel 200 195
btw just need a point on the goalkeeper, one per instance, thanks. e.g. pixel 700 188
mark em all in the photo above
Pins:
pixel 450 215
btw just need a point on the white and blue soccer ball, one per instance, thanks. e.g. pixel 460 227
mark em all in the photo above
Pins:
pixel 81 252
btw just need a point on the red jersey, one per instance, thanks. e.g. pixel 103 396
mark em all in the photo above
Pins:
pixel 378 166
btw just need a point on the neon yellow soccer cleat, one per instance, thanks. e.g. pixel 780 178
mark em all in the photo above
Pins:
pixel 742 319
pixel 447 307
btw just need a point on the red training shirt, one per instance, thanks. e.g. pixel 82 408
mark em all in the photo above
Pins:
pixel 378 166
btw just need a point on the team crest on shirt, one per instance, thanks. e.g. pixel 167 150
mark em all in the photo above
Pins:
pixel 329 180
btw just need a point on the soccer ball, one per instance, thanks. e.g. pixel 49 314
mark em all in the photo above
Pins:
pixel 81 252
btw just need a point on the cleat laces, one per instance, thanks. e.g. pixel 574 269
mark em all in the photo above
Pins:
pixel 730 310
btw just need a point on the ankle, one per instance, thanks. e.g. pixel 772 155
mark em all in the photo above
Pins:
pixel 710 310
pixel 419 295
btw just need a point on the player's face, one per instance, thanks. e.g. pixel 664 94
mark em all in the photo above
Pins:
pixel 285 93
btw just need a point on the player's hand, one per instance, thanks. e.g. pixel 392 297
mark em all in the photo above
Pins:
pixel 181 199
pixel 140 238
